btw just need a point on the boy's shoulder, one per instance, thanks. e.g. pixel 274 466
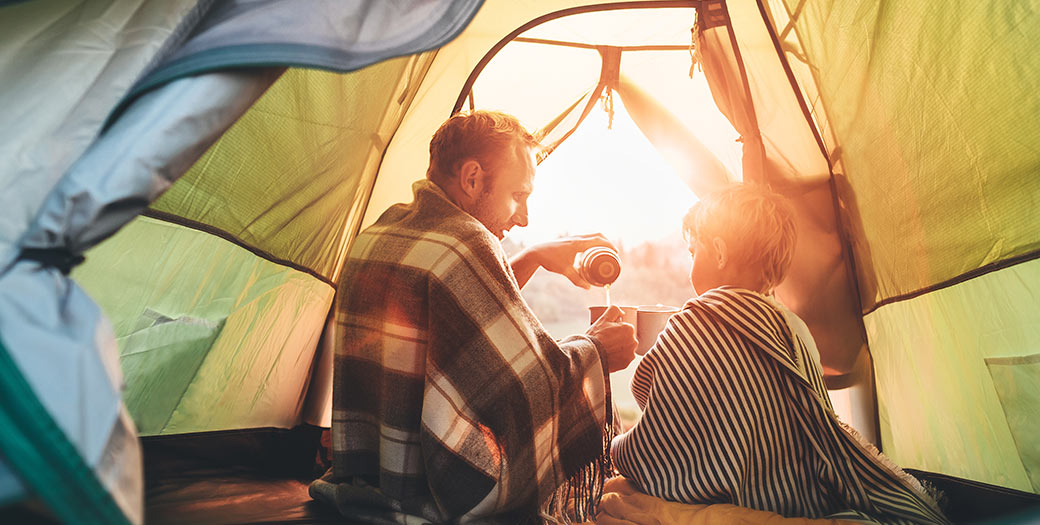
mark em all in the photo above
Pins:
pixel 739 309
pixel 724 298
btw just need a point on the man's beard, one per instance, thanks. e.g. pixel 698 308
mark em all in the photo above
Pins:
pixel 482 211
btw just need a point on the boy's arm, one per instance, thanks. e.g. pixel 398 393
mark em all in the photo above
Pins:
pixel 637 453
pixel 659 384
pixel 643 379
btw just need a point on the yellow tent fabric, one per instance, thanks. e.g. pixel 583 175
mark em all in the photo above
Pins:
pixel 923 108
pixel 219 294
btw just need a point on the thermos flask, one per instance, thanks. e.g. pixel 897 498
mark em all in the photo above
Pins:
pixel 599 266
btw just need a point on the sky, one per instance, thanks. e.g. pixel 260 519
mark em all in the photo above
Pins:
pixel 606 180
pixel 610 181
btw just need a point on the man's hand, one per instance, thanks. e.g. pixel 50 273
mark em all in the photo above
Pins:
pixel 617 338
pixel 557 256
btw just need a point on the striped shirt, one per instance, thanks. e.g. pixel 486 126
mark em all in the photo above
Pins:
pixel 735 411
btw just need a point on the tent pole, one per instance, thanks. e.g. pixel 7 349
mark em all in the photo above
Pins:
pixel 843 235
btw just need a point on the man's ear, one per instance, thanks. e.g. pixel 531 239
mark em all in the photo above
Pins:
pixel 721 255
pixel 471 178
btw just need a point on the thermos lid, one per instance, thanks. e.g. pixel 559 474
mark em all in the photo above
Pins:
pixel 600 266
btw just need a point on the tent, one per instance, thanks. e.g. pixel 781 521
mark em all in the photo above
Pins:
pixel 213 160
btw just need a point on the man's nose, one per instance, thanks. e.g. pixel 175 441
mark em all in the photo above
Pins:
pixel 520 217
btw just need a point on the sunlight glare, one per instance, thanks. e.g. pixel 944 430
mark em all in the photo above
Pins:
pixel 606 180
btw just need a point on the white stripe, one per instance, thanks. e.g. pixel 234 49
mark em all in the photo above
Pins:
pixel 724 420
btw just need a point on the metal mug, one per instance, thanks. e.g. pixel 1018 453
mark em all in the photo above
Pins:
pixel 649 321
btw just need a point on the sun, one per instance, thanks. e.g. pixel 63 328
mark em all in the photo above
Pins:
pixel 606 179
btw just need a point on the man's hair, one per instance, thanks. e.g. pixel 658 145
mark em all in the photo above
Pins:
pixel 481 135
pixel 756 224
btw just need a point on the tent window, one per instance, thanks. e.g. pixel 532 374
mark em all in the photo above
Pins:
pixel 606 176
pixel 1017 382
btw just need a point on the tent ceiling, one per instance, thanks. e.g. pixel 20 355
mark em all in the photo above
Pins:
pixel 620 27
pixel 406 158
pixel 553 63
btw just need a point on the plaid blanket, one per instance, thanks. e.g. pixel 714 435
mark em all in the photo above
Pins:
pixel 450 400
pixel 735 411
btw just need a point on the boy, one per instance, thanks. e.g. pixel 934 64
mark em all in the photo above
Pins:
pixel 734 405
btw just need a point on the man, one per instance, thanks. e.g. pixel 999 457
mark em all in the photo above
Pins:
pixel 451 402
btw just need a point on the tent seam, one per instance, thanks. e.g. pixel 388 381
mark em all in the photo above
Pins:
pixel 217 232
pixel 953 281
pixel 467 87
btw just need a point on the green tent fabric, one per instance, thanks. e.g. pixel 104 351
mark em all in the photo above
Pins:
pixel 934 349
pixel 310 155
pixel 912 122
pixel 240 258
pixel 95 138
pixel 222 339
pixel 927 110
pixel 919 95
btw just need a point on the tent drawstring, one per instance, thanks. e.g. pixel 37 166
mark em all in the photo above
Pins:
pixel 608 106
pixel 695 53
pixel 61 258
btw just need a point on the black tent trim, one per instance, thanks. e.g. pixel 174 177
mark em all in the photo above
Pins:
pixel 206 228
pixel 467 87
pixel 966 276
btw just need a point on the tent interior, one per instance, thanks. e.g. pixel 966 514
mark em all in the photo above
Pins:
pixel 185 180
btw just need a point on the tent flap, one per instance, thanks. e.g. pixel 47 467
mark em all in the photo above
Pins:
pixel 211 336
pixel 940 405
pixel 336 36
pixel 74 60
pixel 61 351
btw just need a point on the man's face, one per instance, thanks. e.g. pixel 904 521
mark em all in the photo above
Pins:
pixel 503 202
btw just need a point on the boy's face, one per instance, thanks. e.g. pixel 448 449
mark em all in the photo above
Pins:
pixel 705 273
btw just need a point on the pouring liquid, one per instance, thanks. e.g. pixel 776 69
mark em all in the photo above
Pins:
pixel 606 290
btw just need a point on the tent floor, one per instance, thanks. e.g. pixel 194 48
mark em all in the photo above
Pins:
pixel 250 476
pixel 261 476
pixel 970 501
pixel 218 496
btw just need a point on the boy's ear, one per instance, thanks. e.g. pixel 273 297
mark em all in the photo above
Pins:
pixel 721 255
pixel 471 178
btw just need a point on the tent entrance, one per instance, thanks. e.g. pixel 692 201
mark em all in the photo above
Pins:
pixel 558 73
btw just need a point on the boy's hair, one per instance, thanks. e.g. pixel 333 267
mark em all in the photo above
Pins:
pixel 481 135
pixel 756 224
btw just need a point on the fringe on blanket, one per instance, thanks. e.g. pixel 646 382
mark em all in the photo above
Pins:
pixel 577 499
pixel 929 493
